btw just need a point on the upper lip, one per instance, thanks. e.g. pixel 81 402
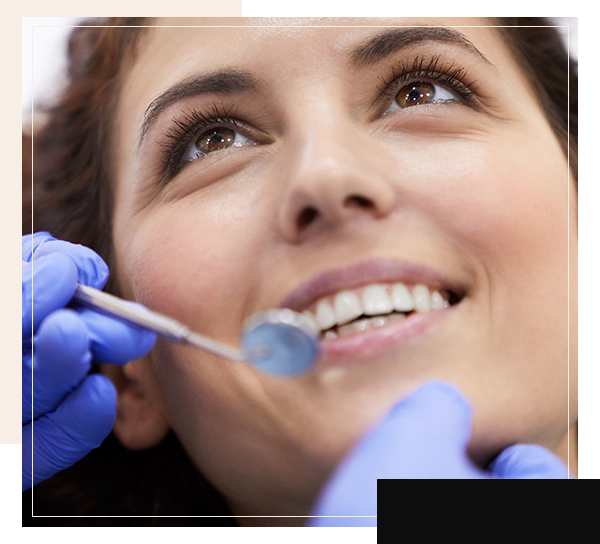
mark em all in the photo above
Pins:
pixel 369 271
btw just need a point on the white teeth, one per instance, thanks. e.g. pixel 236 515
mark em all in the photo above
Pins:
pixel 366 323
pixel 437 302
pixel 347 307
pixel 422 299
pixel 311 320
pixel 330 335
pixel 363 325
pixel 344 330
pixel 356 326
pixel 376 301
pixel 325 315
pixel 379 321
pixel 402 299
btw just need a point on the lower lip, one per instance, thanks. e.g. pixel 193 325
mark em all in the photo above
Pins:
pixel 338 351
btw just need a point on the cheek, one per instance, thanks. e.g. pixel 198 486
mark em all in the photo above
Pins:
pixel 500 201
pixel 507 203
pixel 191 259
pixel 520 230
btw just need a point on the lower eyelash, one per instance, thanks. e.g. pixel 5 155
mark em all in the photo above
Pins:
pixel 451 75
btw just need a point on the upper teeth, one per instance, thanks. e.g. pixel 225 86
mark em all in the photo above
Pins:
pixel 374 299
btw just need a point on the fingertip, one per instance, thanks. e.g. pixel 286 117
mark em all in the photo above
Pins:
pixel 63 325
pixel 115 341
pixel 435 414
pixel 135 343
pixel 61 359
pixel 97 402
pixel 436 394
pixel 102 395
pixel 147 340
pixel 96 275
pixel 53 283
pixel 54 274
pixel 59 263
pixel 62 343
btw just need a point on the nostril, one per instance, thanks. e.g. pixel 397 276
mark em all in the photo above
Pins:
pixel 357 201
pixel 306 217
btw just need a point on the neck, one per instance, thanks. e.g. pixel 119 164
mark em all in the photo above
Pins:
pixel 279 509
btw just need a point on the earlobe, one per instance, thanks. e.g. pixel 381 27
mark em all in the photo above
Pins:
pixel 141 421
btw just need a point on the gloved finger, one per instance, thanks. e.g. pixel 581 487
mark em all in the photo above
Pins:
pixel 47 285
pixel 114 340
pixel 61 359
pixel 30 242
pixel 63 437
pixel 432 425
pixel 529 462
pixel 423 437
pixel 91 269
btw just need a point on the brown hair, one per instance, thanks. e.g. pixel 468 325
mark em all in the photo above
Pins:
pixel 552 74
pixel 72 175
pixel 73 200
pixel 72 170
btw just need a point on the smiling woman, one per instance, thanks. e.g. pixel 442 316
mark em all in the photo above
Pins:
pixel 403 183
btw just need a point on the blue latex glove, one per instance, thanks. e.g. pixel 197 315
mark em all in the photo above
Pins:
pixel 425 436
pixel 72 411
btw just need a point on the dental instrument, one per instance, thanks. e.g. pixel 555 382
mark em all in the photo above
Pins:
pixel 280 341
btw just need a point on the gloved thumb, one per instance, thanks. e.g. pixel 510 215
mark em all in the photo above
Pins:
pixel 529 462
pixel 424 436
pixel 432 426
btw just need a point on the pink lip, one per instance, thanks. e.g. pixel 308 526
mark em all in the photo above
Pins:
pixel 370 271
pixel 336 351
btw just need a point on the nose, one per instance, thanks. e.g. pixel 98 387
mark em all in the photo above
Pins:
pixel 332 179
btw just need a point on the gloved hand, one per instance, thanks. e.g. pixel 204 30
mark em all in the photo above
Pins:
pixel 425 436
pixel 70 412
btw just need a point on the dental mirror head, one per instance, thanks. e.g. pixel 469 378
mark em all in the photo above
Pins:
pixel 280 342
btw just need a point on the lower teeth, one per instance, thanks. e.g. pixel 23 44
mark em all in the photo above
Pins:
pixel 364 324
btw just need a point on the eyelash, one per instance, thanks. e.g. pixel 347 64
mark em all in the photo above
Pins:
pixel 193 122
pixel 451 75
pixel 188 127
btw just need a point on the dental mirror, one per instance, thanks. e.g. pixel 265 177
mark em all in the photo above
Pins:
pixel 280 341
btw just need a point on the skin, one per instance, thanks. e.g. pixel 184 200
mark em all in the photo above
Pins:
pixel 479 195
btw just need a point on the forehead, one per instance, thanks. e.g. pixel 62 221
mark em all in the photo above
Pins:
pixel 170 53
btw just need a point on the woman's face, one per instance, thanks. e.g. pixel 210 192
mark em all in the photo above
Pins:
pixel 326 168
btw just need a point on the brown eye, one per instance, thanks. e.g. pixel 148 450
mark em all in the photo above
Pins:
pixel 415 94
pixel 215 139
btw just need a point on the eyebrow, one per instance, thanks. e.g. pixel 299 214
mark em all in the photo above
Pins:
pixel 224 82
pixel 370 51
pixel 376 48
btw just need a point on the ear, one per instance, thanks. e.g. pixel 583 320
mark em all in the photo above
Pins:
pixel 141 421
